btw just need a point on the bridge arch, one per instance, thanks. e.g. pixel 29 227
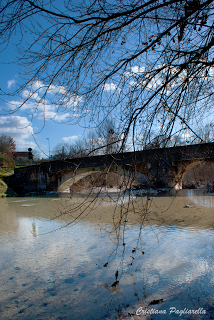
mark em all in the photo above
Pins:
pixel 70 178
pixel 199 175
pixel 181 168
pixel 163 167
pixel 125 176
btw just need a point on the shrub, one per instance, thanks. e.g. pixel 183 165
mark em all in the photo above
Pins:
pixel 6 163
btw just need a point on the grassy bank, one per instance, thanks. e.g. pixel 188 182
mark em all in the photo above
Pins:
pixel 5 191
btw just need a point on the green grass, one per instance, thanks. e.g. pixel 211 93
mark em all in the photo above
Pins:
pixel 6 170
pixel 5 191
pixel 3 187
pixel 6 173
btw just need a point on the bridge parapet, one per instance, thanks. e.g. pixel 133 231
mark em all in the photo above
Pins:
pixel 163 167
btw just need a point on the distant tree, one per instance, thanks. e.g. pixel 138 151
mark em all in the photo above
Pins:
pixel 87 146
pixel 7 145
pixel 60 152
pixel 175 141
pixel 160 141
pixel 103 140
pixel 108 137
pixel 207 133
pixel 36 156
pixel 78 149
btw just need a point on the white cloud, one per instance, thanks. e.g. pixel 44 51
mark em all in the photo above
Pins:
pixel 69 139
pixel 211 72
pixel 28 94
pixel 62 117
pixel 134 83
pixel 53 115
pixel 148 84
pixel 47 107
pixel 109 86
pixel 12 105
pixel 32 105
pixel 19 129
pixel 10 83
pixel 56 89
pixel 72 101
pixel 37 85
pixel 15 104
pixel 186 135
pixel 44 108
pixel 47 110
pixel 134 70
pixel 137 69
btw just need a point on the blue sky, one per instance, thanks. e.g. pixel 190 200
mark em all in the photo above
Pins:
pixel 18 125
pixel 58 128
pixel 28 132
pixel 33 132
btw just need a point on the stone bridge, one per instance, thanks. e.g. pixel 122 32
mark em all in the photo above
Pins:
pixel 156 168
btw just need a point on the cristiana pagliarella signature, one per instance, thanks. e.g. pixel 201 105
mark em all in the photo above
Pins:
pixel 171 310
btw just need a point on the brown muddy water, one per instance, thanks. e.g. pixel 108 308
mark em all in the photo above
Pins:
pixel 59 257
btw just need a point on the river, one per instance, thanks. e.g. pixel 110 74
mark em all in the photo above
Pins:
pixel 59 264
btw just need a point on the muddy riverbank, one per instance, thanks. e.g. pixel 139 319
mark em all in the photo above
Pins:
pixel 178 210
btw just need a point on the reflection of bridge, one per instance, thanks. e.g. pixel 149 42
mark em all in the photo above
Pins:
pixel 160 167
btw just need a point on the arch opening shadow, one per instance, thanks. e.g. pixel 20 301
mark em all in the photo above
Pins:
pixel 199 176
pixel 76 182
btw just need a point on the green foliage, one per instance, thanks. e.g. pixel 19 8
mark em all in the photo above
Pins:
pixel 6 163
pixel 3 187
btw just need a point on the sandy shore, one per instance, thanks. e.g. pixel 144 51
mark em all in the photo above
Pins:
pixel 179 211
pixel 159 210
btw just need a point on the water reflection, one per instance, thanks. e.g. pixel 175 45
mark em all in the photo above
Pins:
pixel 200 197
pixel 34 229
pixel 60 275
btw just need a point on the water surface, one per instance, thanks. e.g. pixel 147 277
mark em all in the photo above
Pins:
pixel 48 274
